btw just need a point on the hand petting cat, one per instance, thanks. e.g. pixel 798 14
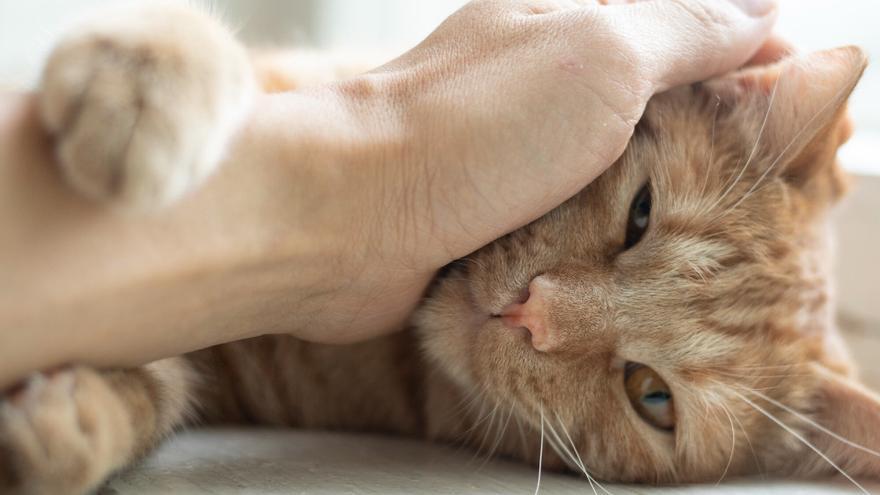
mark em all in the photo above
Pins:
pixel 334 206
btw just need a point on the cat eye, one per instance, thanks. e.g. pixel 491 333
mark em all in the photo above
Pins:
pixel 639 217
pixel 649 396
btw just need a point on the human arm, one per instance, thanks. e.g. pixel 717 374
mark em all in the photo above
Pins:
pixel 335 206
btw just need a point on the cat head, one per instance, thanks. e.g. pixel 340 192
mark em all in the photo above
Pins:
pixel 673 321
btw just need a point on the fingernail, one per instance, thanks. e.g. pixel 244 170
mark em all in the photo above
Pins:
pixel 756 8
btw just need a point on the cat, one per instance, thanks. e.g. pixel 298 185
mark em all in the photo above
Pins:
pixel 671 323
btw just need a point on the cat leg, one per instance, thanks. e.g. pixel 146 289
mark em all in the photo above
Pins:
pixel 68 431
pixel 143 101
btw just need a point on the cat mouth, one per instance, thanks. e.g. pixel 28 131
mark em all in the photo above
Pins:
pixel 479 315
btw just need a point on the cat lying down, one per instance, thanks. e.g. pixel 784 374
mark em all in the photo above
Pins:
pixel 671 323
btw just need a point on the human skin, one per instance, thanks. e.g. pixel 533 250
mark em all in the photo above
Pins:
pixel 335 206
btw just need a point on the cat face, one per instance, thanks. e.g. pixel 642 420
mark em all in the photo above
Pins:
pixel 672 322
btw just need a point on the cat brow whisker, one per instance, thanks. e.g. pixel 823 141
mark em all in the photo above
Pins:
pixel 790 144
pixel 758 375
pixel 754 147
pixel 801 439
pixel 766 366
pixel 711 148
pixel 815 425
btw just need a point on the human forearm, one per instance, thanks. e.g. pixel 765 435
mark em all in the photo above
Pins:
pixel 255 251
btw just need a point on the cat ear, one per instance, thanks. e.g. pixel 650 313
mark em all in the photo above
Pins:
pixel 797 107
pixel 852 412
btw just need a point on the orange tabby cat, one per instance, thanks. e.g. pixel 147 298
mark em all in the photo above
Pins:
pixel 671 323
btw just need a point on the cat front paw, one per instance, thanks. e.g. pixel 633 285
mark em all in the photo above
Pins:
pixel 143 101
pixel 61 434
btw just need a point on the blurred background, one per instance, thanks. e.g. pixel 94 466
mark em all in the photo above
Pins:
pixel 29 27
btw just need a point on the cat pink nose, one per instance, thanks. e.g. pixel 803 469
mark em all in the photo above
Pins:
pixel 533 314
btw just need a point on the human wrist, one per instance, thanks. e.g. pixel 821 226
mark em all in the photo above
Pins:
pixel 343 151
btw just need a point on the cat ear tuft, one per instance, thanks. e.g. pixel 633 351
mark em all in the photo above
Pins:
pixel 851 411
pixel 796 107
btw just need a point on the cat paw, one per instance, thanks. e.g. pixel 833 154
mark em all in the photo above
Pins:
pixel 142 102
pixel 62 433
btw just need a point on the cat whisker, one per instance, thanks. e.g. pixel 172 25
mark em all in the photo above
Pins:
pixel 540 454
pixel 732 444
pixel 814 424
pixel 522 432
pixel 492 416
pixel 753 377
pixel 575 450
pixel 468 404
pixel 758 464
pixel 563 452
pixel 567 455
pixel 801 439
pixel 500 434
pixel 482 417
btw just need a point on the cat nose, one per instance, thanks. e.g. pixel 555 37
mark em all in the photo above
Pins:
pixel 533 314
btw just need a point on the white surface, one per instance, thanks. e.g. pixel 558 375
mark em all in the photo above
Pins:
pixel 261 462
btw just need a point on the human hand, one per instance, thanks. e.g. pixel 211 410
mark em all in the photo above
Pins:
pixel 510 108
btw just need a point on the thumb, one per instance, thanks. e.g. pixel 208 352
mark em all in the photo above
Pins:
pixel 685 41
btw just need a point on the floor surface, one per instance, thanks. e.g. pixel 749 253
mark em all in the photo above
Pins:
pixel 262 462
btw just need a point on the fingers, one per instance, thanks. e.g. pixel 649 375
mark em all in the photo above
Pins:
pixel 684 41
